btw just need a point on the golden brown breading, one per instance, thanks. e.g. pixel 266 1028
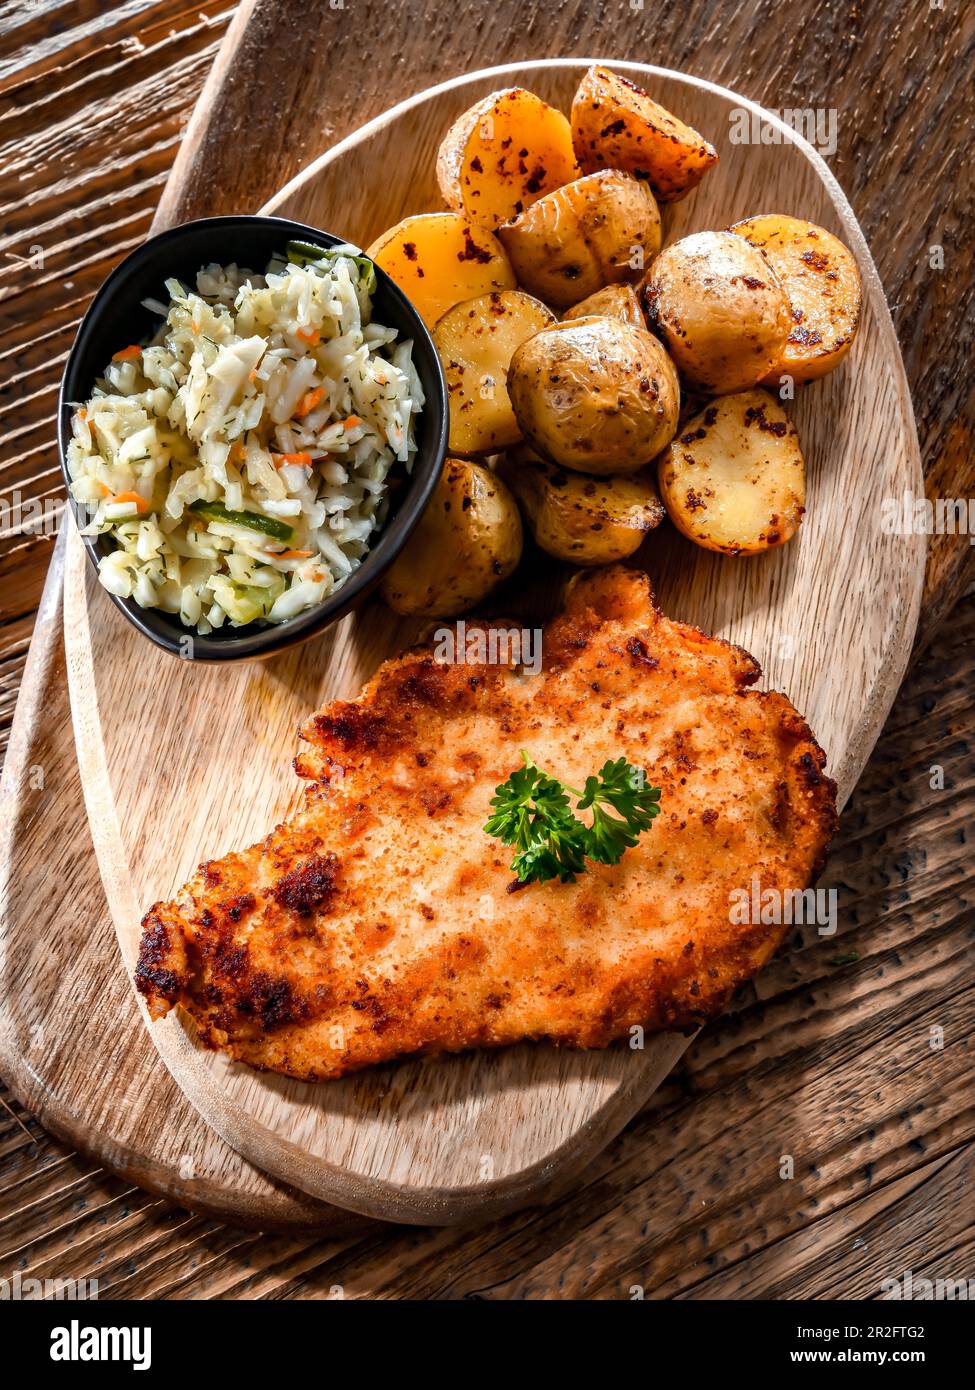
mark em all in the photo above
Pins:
pixel 383 921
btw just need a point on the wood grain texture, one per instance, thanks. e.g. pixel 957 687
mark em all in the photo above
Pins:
pixel 470 1137
pixel 897 81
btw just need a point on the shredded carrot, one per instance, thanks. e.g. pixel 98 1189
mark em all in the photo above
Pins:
pixel 82 414
pixel 310 336
pixel 236 452
pixel 293 554
pixel 252 374
pixel 140 503
pixel 194 326
pixel 127 354
pixel 351 422
pixel 280 459
pixel 104 489
pixel 309 400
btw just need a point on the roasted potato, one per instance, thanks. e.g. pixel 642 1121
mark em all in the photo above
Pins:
pixel 438 259
pixel 468 540
pixel 616 125
pixel 595 231
pixel 613 302
pixel 720 310
pixel 734 480
pixel 595 394
pixel 822 285
pixel 587 521
pixel 505 152
pixel 476 340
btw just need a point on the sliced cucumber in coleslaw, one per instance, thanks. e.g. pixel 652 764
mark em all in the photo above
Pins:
pixel 305 253
pixel 254 521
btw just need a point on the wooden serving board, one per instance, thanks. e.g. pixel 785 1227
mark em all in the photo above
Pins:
pixel 137 1119
pixel 830 617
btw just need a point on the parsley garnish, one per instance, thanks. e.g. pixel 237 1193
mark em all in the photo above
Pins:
pixel 532 811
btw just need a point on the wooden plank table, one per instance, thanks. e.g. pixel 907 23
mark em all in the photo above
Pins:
pixel 853 1057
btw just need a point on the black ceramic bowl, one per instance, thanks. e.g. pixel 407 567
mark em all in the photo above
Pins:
pixel 116 317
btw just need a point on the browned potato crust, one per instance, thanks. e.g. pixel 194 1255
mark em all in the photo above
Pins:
pixel 505 152
pixel 613 302
pixel 468 540
pixel 734 480
pixel 584 520
pixel 438 259
pixel 720 309
pixel 822 284
pixel 595 394
pixel 475 341
pixel 616 125
pixel 595 231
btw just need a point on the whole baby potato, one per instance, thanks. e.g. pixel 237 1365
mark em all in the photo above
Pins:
pixel 467 541
pixel 595 394
pixel 584 520
pixel 721 311
pixel 598 230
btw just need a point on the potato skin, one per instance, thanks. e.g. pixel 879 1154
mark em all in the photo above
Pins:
pixel 599 230
pixel 613 302
pixel 475 341
pixel 734 480
pixel 595 395
pixel 581 519
pixel 822 284
pixel 439 258
pixel 468 540
pixel 721 311
pixel 616 125
pixel 502 154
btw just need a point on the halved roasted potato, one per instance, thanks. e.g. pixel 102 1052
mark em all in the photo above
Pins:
pixel 587 521
pixel 598 230
pixel 476 340
pixel 720 309
pixel 613 302
pixel 505 152
pixel 595 394
pixel 734 480
pixel 467 541
pixel 438 259
pixel 822 285
pixel 616 125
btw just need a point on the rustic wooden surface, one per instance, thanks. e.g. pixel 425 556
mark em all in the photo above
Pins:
pixel 836 1066
pixel 409 1142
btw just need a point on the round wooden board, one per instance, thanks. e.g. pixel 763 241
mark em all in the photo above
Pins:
pixel 831 618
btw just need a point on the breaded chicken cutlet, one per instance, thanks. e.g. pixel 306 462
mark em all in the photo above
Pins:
pixel 382 921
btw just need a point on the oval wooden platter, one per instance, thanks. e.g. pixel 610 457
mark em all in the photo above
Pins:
pixel 180 763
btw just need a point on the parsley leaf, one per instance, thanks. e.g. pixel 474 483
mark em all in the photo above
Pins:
pixel 532 811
